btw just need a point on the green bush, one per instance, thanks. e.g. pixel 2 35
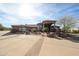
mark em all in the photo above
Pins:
pixel 33 30
pixel 45 29
pixel 66 29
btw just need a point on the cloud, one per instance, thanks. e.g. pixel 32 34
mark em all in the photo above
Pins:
pixel 11 19
pixel 9 8
pixel 29 10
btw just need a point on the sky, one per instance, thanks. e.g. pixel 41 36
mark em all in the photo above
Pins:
pixel 32 13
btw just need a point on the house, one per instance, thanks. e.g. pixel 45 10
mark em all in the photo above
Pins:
pixel 31 27
pixel 34 27
pixel 23 28
pixel 39 26
pixel 18 28
pixel 48 22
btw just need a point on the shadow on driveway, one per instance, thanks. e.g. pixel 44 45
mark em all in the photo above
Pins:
pixel 35 49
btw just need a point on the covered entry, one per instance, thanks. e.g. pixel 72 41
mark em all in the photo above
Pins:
pixel 47 24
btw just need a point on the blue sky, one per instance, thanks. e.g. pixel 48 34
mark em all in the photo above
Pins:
pixel 32 13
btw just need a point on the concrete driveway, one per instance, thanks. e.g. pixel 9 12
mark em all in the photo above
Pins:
pixel 34 45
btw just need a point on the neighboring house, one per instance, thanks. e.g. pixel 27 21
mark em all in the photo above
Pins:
pixel 76 29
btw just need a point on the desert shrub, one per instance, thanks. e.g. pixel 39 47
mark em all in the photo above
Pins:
pixel 75 31
pixel 1 29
